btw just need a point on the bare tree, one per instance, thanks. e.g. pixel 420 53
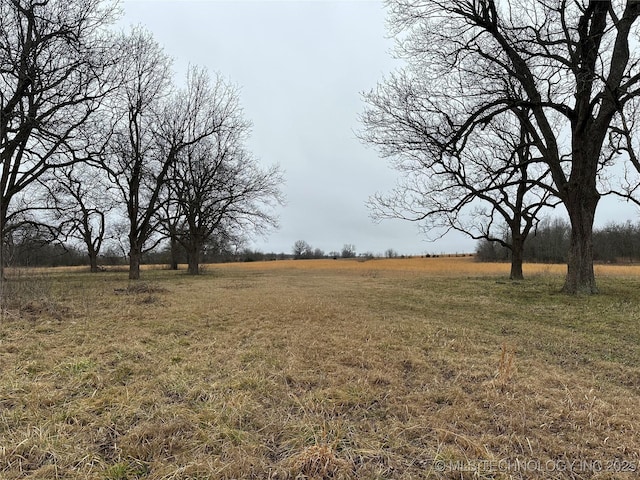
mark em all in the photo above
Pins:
pixel 78 201
pixel 135 162
pixel 55 61
pixel 301 249
pixel 491 183
pixel 219 188
pixel 568 63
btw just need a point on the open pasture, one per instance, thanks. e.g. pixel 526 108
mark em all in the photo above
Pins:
pixel 400 369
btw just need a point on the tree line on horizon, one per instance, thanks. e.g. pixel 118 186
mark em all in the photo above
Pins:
pixel 35 245
pixel 549 243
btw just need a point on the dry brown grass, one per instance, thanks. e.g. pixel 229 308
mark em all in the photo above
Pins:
pixel 421 368
pixel 442 265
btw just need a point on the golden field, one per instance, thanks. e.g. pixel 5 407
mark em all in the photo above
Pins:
pixel 398 368
pixel 441 265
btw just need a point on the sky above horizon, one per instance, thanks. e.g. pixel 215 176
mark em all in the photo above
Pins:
pixel 301 67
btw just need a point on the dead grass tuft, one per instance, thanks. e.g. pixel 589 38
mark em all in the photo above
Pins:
pixel 506 367
pixel 319 462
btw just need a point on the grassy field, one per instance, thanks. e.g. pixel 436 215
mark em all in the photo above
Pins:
pixel 400 369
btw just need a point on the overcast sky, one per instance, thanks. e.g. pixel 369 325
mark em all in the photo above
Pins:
pixel 301 67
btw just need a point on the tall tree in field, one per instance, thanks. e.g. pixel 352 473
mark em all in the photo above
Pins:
pixel 135 162
pixel 55 59
pixel 218 188
pixel 569 63
pixel 78 202
pixel 491 185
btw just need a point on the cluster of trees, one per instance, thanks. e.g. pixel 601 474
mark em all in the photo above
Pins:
pixel 506 109
pixel 301 249
pixel 33 244
pixel 549 243
pixel 97 143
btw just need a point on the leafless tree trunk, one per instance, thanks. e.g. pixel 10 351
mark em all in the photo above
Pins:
pixel 193 259
pixel 135 259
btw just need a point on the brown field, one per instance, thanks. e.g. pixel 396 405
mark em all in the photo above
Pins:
pixel 442 265
pixel 401 369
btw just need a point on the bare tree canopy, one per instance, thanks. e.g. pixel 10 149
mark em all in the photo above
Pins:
pixel 55 67
pixel 77 201
pixel 136 160
pixel 301 249
pixel 491 185
pixel 216 190
pixel 219 189
pixel 564 68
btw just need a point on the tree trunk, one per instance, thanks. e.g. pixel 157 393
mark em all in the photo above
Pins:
pixel 2 257
pixel 135 257
pixel 193 258
pixel 93 262
pixel 581 205
pixel 517 246
pixel 175 251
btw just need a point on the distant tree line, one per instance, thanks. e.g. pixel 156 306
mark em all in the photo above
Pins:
pixel 33 245
pixel 549 243
pixel 302 250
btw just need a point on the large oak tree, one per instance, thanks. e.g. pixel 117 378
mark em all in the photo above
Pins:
pixel 568 63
